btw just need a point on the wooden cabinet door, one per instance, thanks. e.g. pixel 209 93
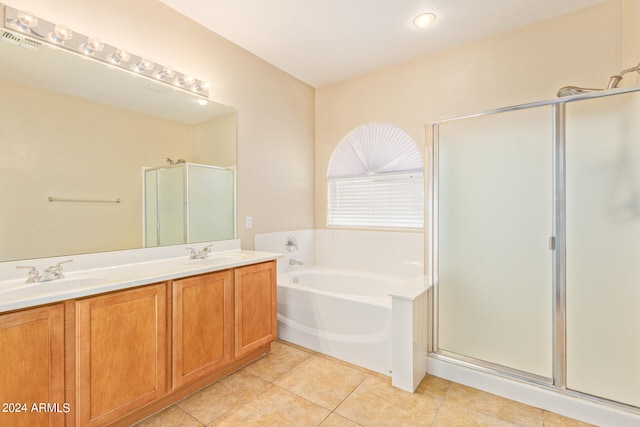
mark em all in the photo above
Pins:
pixel 202 325
pixel 255 306
pixel 32 367
pixel 121 353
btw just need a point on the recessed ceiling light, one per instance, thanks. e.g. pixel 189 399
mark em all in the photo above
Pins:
pixel 424 20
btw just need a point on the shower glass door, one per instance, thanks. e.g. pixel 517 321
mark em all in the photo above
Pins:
pixel 493 266
pixel 603 247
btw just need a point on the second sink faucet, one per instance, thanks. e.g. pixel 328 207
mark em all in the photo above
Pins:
pixel 52 273
pixel 204 253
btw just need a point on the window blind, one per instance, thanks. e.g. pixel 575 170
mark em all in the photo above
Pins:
pixel 385 200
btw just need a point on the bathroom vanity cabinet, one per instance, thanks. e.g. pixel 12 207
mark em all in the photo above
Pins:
pixel 115 358
pixel 121 344
pixel 212 311
pixel 255 307
pixel 32 367
pixel 202 325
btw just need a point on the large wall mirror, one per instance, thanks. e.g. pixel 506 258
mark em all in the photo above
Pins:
pixel 78 138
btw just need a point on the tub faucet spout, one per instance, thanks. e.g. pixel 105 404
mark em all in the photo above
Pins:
pixel 295 262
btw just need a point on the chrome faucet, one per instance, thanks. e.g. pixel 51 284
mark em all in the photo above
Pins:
pixel 291 244
pixel 295 262
pixel 33 275
pixel 52 273
pixel 204 253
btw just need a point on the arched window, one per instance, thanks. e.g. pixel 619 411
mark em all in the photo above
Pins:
pixel 375 179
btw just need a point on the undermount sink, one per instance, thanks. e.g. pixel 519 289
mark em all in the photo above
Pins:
pixel 51 286
pixel 78 282
pixel 217 259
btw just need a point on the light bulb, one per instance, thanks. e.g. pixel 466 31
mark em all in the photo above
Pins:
pixel 143 65
pixel 26 20
pixel 200 86
pixel 202 101
pixel 184 81
pixel 188 80
pixel 121 55
pixel 92 46
pixel 165 73
pixel 61 33
pixel 179 81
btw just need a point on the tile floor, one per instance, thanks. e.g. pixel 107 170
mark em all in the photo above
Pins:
pixel 293 386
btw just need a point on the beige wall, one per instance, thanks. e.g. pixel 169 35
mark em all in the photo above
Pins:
pixel 631 40
pixel 529 64
pixel 214 141
pixel 275 110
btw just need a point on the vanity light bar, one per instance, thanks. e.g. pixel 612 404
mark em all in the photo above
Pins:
pixel 61 36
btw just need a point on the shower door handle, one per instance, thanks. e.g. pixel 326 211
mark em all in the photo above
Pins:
pixel 552 242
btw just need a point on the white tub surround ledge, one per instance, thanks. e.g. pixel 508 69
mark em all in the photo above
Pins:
pixel 409 326
pixel 412 288
pixel 92 274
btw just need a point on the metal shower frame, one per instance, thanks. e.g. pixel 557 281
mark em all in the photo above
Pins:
pixel 557 244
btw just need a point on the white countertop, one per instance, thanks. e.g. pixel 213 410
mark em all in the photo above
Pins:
pixel 16 294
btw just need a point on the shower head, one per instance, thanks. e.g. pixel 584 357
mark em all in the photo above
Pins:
pixel 614 81
pixel 574 90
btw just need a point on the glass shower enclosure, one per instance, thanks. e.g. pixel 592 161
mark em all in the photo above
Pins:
pixel 534 248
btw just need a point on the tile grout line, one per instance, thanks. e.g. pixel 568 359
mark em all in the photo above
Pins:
pixel 343 400
pixel 187 414
pixel 444 397
pixel 331 411
pixel 346 397
pixel 240 405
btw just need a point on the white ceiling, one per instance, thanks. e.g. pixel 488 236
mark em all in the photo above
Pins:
pixel 325 41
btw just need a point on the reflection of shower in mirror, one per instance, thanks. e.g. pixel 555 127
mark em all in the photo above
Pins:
pixel 177 162
pixel 188 203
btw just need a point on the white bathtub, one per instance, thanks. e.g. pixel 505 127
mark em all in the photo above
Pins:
pixel 342 313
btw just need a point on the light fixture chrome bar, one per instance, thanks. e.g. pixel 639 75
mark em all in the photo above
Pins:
pixel 33 28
